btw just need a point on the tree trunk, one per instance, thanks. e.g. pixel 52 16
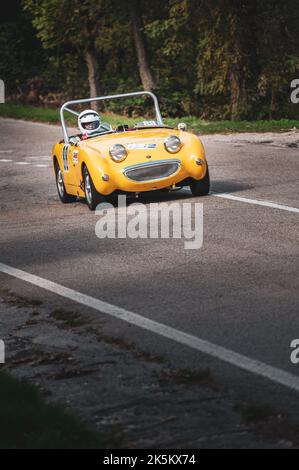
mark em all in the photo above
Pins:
pixel 239 102
pixel 272 105
pixel 93 70
pixel 234 95
pixel 237 73
pixel 140 46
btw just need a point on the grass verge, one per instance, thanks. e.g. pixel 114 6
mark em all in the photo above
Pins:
pixel 27 422
pixel 51 115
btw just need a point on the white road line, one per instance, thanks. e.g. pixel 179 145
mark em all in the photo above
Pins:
pixel 256 202
pixel 43 157
pixel 238 360
pixel 5 151
pixel 40 165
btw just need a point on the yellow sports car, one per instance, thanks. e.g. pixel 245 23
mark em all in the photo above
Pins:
pixel 146 157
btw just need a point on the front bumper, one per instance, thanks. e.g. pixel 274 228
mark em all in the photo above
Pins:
pixel 149 176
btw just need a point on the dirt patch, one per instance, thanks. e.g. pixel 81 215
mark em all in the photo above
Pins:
pixel 69 319
pixel 19 301
pixel 186 377
pixel 255 413
pixel 127 346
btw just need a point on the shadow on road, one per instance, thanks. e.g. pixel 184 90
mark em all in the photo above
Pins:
pixel 230 186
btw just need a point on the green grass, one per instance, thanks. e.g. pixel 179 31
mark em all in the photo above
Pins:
pixel 219 127
pixel 195 124
pixel 27 422
pixel 50 115
pixel 29 113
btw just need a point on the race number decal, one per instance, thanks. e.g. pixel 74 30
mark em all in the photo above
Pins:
pixel 75 157
pixel 64 153
pixel 147 124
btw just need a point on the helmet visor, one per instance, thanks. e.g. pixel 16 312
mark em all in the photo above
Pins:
pixel 91 126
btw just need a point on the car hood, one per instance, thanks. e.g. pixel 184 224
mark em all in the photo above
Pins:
pixel 149 139
pixel 144 146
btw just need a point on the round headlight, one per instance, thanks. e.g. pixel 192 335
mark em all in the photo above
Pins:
pixel 118 153
pixel 173 144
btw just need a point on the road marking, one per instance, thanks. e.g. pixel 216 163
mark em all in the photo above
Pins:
pixel 5 151
pixel 40 165
pixel 43 157
pixel 261 369
pixel 256 202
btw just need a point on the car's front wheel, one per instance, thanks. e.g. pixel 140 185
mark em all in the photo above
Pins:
pixel 63 195
pixel 93 198
pixel 201 187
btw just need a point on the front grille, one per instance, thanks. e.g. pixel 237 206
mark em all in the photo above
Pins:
pixel 152 171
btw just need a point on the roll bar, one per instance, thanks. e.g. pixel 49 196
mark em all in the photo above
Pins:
pixel 65 107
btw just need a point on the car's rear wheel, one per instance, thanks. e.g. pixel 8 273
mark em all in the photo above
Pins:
pixel 92 197
pixel 63 195
pixel 201 187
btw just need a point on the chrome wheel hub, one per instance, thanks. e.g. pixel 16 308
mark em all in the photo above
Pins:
pixel 88 193
pixel 60 183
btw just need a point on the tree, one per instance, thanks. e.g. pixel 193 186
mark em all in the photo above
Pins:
pixel 172 28
pixel 22 56
pixel 140 45
pixel 277 53
pixel 211 58
pixel 73 24
pixel 226 53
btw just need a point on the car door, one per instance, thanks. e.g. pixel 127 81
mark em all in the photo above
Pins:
pixel 70 161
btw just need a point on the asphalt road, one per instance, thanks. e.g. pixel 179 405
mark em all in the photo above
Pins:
pixel 239 291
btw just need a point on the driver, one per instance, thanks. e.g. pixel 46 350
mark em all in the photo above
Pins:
pixel 89 123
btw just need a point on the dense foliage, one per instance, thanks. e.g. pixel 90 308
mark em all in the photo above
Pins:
pixel 209 58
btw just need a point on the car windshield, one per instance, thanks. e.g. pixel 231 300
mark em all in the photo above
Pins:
pixel 111 121
pixel 115 126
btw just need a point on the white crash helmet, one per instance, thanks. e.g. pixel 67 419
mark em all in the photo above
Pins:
pixel 89 122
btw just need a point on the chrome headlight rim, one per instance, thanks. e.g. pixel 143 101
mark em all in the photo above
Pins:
pixel 171 147
pixel 118 153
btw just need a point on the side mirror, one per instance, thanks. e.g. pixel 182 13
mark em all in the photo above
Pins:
pixel 74 141
pixel 182 126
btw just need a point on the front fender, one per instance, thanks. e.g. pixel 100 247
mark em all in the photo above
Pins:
pixel 98 167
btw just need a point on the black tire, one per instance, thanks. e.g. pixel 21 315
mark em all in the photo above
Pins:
pixel 201 187
pixel 64 197
pixel 92 197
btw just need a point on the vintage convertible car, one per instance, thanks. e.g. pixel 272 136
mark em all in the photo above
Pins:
pixel 146 157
